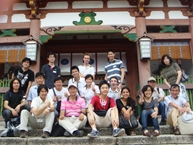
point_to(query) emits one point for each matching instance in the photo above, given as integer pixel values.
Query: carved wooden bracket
(34, 8)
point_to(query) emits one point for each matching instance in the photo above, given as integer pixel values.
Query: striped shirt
(114, 69)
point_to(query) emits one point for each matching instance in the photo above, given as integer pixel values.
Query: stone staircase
(166, 137)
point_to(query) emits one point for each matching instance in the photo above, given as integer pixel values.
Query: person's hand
(81, 117)
(14, 113)
(93, 89)
(47, 103)
(127, 115)
(66, 94)
(187, 110)
(61, 117)
(154, 115)
(182, 110)
(119, 86)
(17, 109)
(46, 111)
(141, 98)
(55, 99)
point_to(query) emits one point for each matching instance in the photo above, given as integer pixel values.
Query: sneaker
(78, 133)
(118, 132)
(67, 134)
(163, 122)
(45, 134)
(94, 134)
(176, 131)
(23, 134)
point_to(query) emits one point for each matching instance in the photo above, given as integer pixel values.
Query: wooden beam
(171, 36)
(4, 89)
(23, 25)
(165, 87)
(17, 39)
(176, 22)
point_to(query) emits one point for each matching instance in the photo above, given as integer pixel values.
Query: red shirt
(98, 104)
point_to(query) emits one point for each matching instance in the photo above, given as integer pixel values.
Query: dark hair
(174, 86)
(103, 83)
(110, 50)
(27, 59)
(126, 89)
(51, 53)
(74, 67)
(145, 89)
(89, 76)
(162, 59)
(39, 74)
(58, 79)
(11, 84)
(42, 87)
(113, 78)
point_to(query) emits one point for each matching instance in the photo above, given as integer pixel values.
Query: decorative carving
(123, 28)
(51, 30)
(169, 29)
(33, 7)
(141, 7)
(8, 33)
(87, 19)
(131, 37)
(45, 38)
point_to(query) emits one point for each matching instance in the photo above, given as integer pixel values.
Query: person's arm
(105, 77)
(179, 76)
(38, 111)
(28, 87)
(166, 82)
(6, 106)
(141, 100)
(160, 99)
(29, 102)
(122, 74)
(62, 112)
(17, 108)
(59, 72)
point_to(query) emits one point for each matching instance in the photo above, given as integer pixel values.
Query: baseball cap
(151, 79)
(72, 85)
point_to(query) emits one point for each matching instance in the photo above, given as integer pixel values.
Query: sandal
(156, 133)
(147, 133)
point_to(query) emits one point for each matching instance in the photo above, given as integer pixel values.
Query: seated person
(14, 101)
(89, 90)
(175, 106)
(114, 91)
(149, 111)
(72, 113)
(41, 115)
(33, 93)
(159, 94)
(126, 106)
(107, 104)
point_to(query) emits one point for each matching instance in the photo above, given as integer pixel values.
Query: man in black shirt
(25, 75)
(14, 101)
(50, 70)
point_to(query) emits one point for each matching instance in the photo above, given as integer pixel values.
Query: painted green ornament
(130, 37)
(45, 38)
(87, 19)
(10, 32)
(167, 29)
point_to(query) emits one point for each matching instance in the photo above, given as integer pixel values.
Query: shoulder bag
(103, 112)
(124, 123)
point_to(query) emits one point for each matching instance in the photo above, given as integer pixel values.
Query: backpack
(158, 90)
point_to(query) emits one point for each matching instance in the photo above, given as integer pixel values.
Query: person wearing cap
(50, 70)
(86, 68)
(33, 93)
(72, 113)
(158, 94)
(25, 75)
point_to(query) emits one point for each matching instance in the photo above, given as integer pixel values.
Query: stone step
(103, 140)
(165, 129)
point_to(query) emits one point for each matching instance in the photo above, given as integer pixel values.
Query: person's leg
(144, 119)
(154, 121)
(80, 124)
(161, 109)
(49, 120)
(94, 121)
(67, 124)
(25, 114)
(7, 115)
(172, 119)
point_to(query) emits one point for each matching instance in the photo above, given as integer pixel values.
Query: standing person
(114, 91)
(149, 113)
(72, 114)
(126, 107)
(41, 115)
(86, 68)
(175, 107)
(14, 101)
(89, 90)
(58, 93)
(172, 75)
(25, 75)
(77, 80)
(114, 67)
(50, 70)
(33, 92)
(102, 112)
(158, 94)
(11, 70)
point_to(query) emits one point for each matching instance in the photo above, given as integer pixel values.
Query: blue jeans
(161, 109)
(147, 120)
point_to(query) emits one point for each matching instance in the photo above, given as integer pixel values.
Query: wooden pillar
(143, 65)
(35, 32)
(191, 32)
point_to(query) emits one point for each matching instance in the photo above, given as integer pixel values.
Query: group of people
(104, 105)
